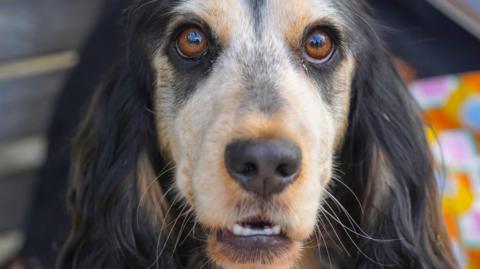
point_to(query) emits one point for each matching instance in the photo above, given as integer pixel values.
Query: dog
(267, 134)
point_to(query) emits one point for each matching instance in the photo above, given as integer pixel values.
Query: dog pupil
(194, 38)
(317, 40)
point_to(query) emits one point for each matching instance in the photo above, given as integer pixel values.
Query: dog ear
(115, 190)
(387, 164)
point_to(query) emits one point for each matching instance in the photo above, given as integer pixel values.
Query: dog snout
(263, 167)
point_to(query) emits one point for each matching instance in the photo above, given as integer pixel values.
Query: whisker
(352, 221)
(335, 232)
(144, 5)
(338, 180)
(354, 243)
(182, 227)
(172, 227)
(206, 263)
(158, 253)
(326, 246)
(168, 167)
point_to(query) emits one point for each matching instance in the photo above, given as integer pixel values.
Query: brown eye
(192, 43)
(319, 46)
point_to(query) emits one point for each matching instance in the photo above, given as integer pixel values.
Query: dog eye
(318, 46)
(192, 43)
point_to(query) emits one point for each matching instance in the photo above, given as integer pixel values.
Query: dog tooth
(237, 230)
(248, 232)
(240, 230)
(255, 232)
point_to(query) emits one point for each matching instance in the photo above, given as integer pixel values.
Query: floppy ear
(115, 199)
(387, 163)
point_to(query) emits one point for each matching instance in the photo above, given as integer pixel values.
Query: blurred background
(54, 52)
(40, 42)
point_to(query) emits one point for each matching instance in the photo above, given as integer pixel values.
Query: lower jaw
(261, 252)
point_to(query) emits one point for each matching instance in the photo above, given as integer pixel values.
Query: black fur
(108, 228)
(385, 133)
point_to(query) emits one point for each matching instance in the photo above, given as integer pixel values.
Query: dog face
(252, 101)
(255, 103)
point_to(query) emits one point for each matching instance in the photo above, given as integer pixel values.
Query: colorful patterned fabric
(452, 108)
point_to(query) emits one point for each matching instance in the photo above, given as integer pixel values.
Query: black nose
(263, 167)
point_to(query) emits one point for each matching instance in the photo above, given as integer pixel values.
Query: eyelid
(331, 30)
(179, 28)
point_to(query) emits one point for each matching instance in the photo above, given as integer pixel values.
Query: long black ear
(114, 154)
(387, 164)
(117, 203)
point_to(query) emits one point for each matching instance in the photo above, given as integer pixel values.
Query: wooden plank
(33, 27)
(22, 154)
(10, 243)
(20, 161)
(461, 12)
(26, 104)
(37, 65)
(16, 192)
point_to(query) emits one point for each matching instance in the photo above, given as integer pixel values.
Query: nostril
(286, 170)
(249, 169)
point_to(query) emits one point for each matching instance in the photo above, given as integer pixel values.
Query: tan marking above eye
(318, 45)
(192, 43)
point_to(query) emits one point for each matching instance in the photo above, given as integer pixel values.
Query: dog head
(251, 101)
(258, 106)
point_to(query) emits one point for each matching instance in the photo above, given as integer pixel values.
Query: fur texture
(148, 184)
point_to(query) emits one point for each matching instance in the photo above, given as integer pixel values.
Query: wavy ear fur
(116, 201)
(118, 207)
(110, 228)
(386, 162)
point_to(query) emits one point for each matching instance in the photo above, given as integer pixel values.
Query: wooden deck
(39, 45)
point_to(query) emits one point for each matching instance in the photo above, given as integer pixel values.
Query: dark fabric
(424, 37)
(428, 40)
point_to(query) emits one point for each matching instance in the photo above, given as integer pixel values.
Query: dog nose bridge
(263, 96)
(261, 82)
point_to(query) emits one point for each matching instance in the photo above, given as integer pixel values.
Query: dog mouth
(252, 241)
(255, 228)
